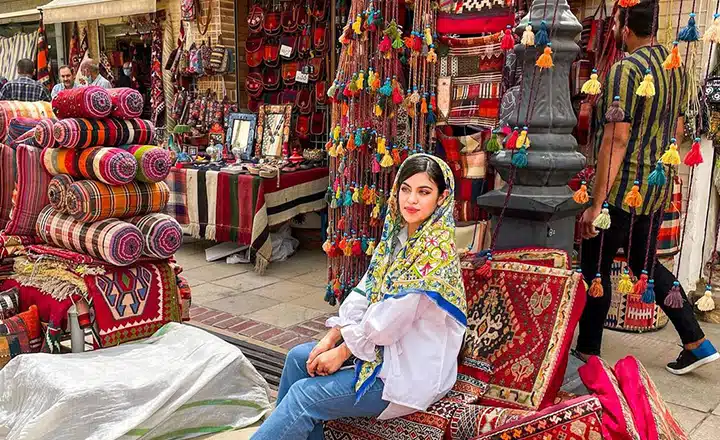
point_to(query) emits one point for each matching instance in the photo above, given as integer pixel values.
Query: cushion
(57, 191)
(599, 378)
(114, 241)
(82, 102)
(44, 137)
(9, 348)
(652, 416)
(26, 326)
(469, 421)
(110, 132)
(522, 321)
(113, 166)
(577, 419)
(7, 182)
(9, 303)
(127, 103)
(14, 109)
(30, 194)
(89, 201)
(153, 162)
(472, 378)
(538, 256)
(162, 233)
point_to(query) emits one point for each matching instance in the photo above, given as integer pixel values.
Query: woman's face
(418, 198)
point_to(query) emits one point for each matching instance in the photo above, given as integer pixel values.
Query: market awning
(28, 15)
(65, 11)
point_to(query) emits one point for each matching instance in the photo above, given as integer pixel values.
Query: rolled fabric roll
(113, 166)
(89, 201)
(109, 132)
(18, 127)
(57, 191)
(44, 137)
(14, 109)
(127, 103)
(162, 233)
(83, 102)
(153, 162)
(115, 241)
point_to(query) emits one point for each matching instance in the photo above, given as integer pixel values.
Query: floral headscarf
(427, 264)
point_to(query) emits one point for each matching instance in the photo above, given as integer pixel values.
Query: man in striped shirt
(627, 152)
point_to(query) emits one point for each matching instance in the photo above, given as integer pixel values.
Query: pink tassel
(674, 298)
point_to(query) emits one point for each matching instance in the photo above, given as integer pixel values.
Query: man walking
(66, 81)
(627, 152)
(24, 88)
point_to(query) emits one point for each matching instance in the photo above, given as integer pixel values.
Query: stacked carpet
(18, 109)
(83, 102)
(57, 191)
(110, 132)
(163, 235)
(44, 137)
(153, 162)
(90, 201)
(113, 166)
(126, 103)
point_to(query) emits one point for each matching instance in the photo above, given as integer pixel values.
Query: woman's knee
(300, 353)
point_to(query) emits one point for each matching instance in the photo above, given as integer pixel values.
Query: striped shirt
(652, 120)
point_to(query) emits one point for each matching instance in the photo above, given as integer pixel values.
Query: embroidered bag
(668, 241)
(187, 9)
(218, 58)
(194, 64)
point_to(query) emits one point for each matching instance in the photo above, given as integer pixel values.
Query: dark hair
(25, 67)
(422, 164)
(640, 18)
(65, 66)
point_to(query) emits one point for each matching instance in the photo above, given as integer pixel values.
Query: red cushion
(30, 194)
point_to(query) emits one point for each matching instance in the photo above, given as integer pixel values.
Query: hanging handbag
(272, 79)
(256, 18)
(254, 51)
(194, 63)
(288, 41)
(712, 90)
(254, 85)
(289, 70)
(304, 101)
(219, 58)
(289, 19)
(271, 23)
(305, 43)
(187, 10)
(315, 68)
(271, 52)
(204, 53)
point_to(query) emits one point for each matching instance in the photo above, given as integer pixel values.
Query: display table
(222, 206)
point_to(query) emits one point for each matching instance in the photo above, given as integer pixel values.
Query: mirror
(273, 130)
(241, 134)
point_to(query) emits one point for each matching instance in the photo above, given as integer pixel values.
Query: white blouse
(420, 344)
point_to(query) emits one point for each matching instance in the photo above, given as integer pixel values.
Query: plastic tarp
(181, 383)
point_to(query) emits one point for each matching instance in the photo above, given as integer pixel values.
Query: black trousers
(596, 309)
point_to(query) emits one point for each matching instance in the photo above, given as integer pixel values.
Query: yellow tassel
(625, 285)
(360, 82)
(357, 25)
(581, 196)
(634, 199)
(378, 110)
(671, 155)
(431, 56)
(338, 193)
(647, 86)
(545, 60)
(673, 60)
(340, 150)
(428, 36)
(375, 213)
(348, 249)
(356, 196)
(603, 219)
(370, 248)
(387, 161)
(381, 145)
(596, 288)
(592, 86)
(522, 138)
(336, 133)
(528, 36)
(706, 303)
(332, 152)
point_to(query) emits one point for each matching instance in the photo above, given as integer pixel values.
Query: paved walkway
(285, 307)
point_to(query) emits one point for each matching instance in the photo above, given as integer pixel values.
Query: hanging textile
(75, 53)
(157, 95)
(43, 56)
(15, 48)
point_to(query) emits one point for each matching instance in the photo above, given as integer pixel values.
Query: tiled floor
(285, 307)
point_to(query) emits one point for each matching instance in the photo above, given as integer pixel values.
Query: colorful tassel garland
(545, 60)
(511, 141)
(647, 86)
(628, 3)
(493, 144)
(528, 36)
(674, 298)
(641, 284)
(596, 288)
(673, 59)
(671, 155)
(592, 86)
(657, 177)
(694, 156)
(690, 32)
(615, 113)
(712, 33)
(581, 196)
(649, 295)
(541, 37)
(485, 270)
(519, 158)
(625, 285)
(706, 302)
(634, 199)
(602, 221)
(507, 42)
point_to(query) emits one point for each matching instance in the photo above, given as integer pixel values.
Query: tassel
(541, 37)
(350, 145)
(519, 158)
(397, 96)
(385, 44)
(507, 42)
(386, 89)
(336, 286)
(348, 198)
(360, 82)
(376, 83)
(528, 37)
(423, 105)
(330, 296)
(706, 303)
(671, 155)
(485, 271)
(428, 36)
(378, 110)
(628, 3)
(364, 244)
(673, 59)
(333, 203)
(712, 33)
(657, 177)
(326, 246)
(397, 43)
(592, 86)
(347, 251)
(522, 138)
(331, 91)
(511, 141)
(647, 86)
(433, 101)
(336, 133)
(356, 195)
(381, 145)
(370, 78)
(340, 151)
(352, 87)
(387, 161)
(602, 221)
(369, 194)
(690, 32)
(341, 224)
(581, 196)
(674, 298)
(341, 246)
(431, 115)
(545, 60)
(596, 288)
(625, 285)
(615, 113)
(417, 42)
(641, 284)
(649, 295)
(493, 144)
(357, 25)
(357, 248)
(694, 156)
(332, 152)
(397, 160)
(634, 199)
(345, 109)
(432, 56)
(370, 248)
(375, 165)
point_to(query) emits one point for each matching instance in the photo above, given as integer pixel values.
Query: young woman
(404, 322)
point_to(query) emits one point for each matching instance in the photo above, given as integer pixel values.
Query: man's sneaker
(692, 359)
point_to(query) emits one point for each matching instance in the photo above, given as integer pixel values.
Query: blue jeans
(305, 402)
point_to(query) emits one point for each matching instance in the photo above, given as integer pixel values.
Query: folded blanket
(110, 132)
(153, 162)
(14, 109)
(89, 201)
(108, 165)
(57, 191)
(115, 241)
(126, 103)
(83, 102)
(19, 126)
(162, 233)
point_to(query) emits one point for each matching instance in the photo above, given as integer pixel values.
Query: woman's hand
(587, 230)
(329, 362)
(326, 343)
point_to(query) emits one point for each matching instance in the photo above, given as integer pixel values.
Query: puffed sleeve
(352, 309)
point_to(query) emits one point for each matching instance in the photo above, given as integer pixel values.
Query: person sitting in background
(66, 81)
(24, 88)
(404, 322)
(90, 69)
(125, 78)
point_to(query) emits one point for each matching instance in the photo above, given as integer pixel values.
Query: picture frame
(192, 151)
(241, 134)
(273, 130)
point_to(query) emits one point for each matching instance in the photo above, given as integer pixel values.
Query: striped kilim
(30, 195)
(162, 233)
(15, 109)
(89, 201)
(57, 191)
(83, 102)
(127, 103)
(153, 162)
(44, 137)
(113, 166)
(15, 48)
(110, 132)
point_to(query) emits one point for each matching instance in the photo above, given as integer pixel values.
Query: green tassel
(519, 159)
(657, 177)
(493, 144)
(603, 219)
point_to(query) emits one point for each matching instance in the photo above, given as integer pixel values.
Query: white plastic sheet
(181, 383)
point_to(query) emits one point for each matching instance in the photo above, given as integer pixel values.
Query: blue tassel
(690, 32)
(649, 295)
(364, 244)
(386, 89)
(358, 137)
(348, 198)
(519, 159)
(541, 36)
(430, 115)
(657, 177)
(329, 295)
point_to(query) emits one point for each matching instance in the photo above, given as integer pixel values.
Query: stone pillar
(541, 211)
